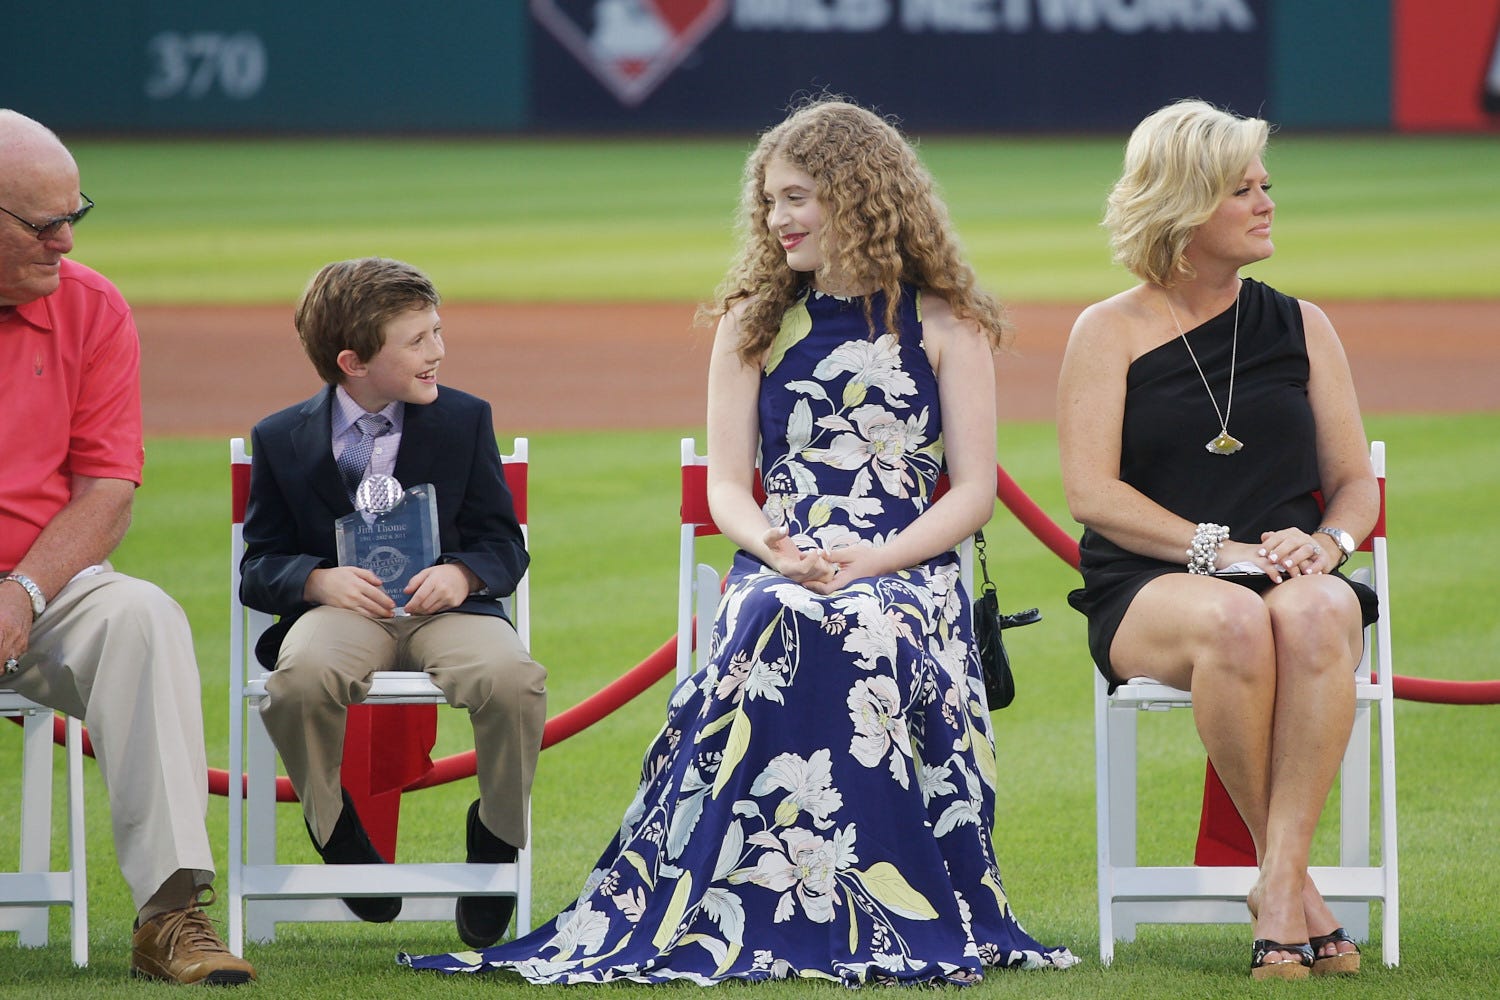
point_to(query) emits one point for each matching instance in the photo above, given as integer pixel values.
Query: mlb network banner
(732, 66)
(945, 64)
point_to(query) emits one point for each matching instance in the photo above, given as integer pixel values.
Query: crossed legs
(1273, 701)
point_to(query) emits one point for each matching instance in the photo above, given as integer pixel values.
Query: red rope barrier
(1441, 692)
(1034, 518)
(218, 779)
(660, 663)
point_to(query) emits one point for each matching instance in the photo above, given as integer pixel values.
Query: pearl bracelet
(1204, 554)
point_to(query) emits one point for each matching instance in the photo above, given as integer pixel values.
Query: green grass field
(533, 220)
(556, 221)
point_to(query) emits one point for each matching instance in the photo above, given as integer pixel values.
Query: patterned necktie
(356, 455)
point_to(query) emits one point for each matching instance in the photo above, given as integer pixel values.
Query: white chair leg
(706, 604)
(236, 803)
(35, 886)
(77, 844)
(1390, 931)
(1354, 821)
(260, 823)
(1121, 762)
(1102, 834)
(36, 820)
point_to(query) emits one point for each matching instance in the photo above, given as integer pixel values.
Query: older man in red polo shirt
(74, 634)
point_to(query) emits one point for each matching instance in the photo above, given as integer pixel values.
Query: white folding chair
(699, 584)
(262, 892)
(1131, 894)
(27, 893)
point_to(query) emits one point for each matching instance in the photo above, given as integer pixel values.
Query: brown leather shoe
(181, 946)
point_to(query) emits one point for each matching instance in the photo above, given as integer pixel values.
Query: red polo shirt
(71, 396)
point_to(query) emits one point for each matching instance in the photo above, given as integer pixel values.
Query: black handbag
(994, 662)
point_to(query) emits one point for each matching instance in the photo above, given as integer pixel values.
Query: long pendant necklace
(1225, 443)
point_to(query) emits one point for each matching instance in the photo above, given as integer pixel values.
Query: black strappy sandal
(1341, 964)
(1295, 968)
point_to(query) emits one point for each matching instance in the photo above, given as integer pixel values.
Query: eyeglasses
(46, 230)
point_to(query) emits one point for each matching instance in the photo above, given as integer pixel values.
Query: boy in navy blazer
(371, 329)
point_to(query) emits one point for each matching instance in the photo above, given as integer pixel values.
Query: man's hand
(350, 587)
(15, 621)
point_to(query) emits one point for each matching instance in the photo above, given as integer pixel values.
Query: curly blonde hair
(1180, 163)
(884, 225)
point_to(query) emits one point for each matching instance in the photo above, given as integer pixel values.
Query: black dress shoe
(350, 845)
(482, 920)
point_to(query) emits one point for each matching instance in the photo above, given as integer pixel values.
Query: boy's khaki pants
(477, 661)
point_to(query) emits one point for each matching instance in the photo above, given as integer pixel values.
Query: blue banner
(1033, 65)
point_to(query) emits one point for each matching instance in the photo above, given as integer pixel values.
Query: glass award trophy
(393, 533)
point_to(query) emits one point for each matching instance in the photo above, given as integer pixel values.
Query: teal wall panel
(1331, 64)
(260, 65)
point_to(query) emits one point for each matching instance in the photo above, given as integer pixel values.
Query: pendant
(1224, 444)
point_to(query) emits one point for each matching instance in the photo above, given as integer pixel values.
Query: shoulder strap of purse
(984, 567)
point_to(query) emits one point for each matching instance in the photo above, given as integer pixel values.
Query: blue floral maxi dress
(820, 801)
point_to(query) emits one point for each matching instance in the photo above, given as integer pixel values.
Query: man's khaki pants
(117, 653)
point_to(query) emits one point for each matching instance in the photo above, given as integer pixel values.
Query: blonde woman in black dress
(1200, 414)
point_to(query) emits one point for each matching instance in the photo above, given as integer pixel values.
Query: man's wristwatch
(1342, 538)
(38, 600)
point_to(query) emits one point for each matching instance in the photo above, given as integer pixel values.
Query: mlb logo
(630, 45)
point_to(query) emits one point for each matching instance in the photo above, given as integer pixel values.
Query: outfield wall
(497, 66)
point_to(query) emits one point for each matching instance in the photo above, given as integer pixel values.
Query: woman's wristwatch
(1342, 538)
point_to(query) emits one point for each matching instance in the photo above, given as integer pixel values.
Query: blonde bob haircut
(1180, 163)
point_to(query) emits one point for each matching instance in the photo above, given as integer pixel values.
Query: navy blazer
(296, 494)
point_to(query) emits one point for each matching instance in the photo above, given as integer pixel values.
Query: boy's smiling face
(405, 368)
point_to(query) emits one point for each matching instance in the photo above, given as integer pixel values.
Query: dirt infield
(216, 370)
